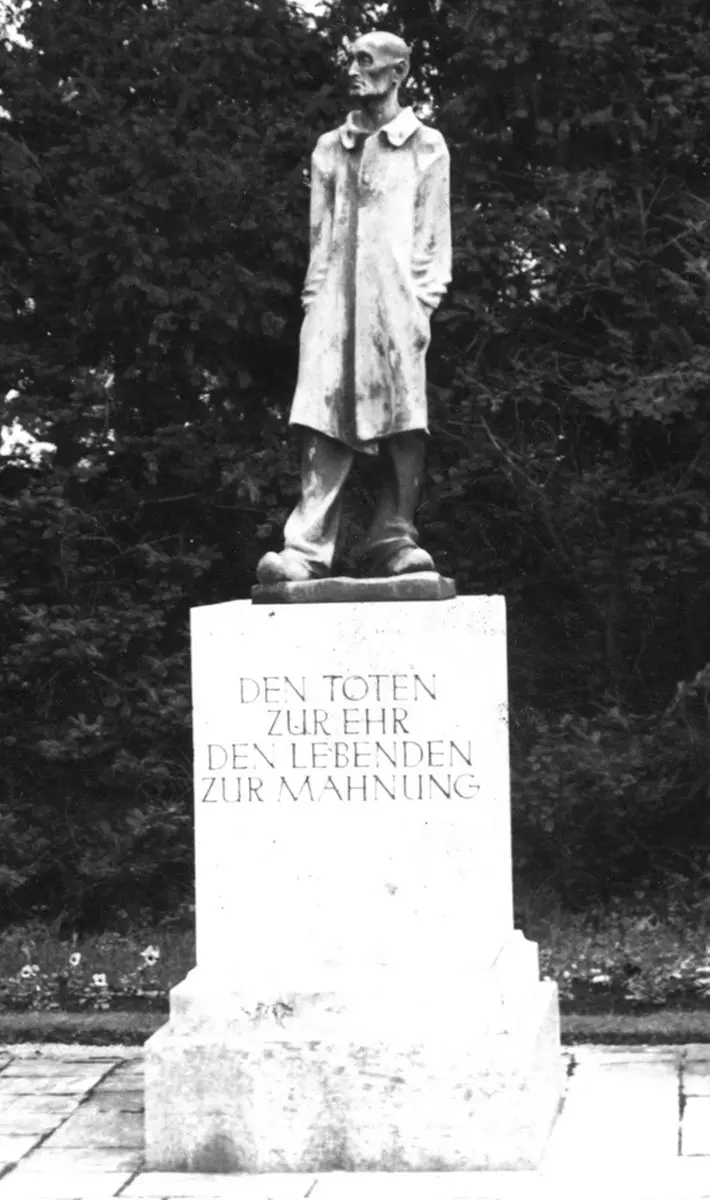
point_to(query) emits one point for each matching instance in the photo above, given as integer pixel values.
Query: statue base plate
(420, 585)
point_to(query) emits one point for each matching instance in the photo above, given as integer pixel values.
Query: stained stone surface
(420, 585)
(361, 1001)
(326, 1085)
(352, 792)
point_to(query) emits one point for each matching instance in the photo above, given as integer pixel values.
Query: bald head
(389, 46)
(379, 65)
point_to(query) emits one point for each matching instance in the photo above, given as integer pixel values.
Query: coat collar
(397, 131)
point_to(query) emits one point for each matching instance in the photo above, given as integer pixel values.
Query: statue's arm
(321, 223)
(431, 257)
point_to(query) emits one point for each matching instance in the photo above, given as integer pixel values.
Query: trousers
(312, 528)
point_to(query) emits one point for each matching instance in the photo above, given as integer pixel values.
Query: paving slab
(696, 1081)
(34, 1114)
(638, 1069)
(73, 1186)
(31, 1067)
(70, 1053)
(431, 1185)
(342, 1185)
(155, 1184)
(687, 1179)
(46, 1085)
(125, 1077)
(697, 1052)
(119, 1083)
(29, 1122)
(116, 1101)
(80, 1161)
(14, 1146)
(96, 1127)
(39, 1104)
(695, 1137)
(586, 1052)
(615, 1115)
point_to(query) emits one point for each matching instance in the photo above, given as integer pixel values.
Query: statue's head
(379, 65)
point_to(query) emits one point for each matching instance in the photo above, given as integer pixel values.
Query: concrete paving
(635, 1125)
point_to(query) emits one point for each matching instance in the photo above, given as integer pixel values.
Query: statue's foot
(287, 566)
(405, 561)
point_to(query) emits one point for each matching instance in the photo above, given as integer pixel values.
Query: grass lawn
(630, 958)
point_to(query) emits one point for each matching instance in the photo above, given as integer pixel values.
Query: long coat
(380, 263)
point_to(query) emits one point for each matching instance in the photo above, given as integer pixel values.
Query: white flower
(74, 959)
(26, 972)
(99, 980)
(150, 955)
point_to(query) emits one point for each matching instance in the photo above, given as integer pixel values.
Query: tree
(571, 451)
(153, 200)
(154, 207)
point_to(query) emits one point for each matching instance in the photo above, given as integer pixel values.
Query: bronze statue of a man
(380, 264)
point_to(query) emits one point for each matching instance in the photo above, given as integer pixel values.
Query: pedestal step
(236, 1087)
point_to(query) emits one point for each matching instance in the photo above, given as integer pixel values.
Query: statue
(380, 264)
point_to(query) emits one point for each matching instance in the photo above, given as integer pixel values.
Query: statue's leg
(391, 545)
(312, 528)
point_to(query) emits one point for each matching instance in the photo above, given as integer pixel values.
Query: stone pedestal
(361, 1000)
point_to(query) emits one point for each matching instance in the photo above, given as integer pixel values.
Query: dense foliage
(153, 220)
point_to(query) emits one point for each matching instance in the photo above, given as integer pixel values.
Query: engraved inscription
(339, 738)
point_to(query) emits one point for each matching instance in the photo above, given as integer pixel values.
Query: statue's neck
(380, 110)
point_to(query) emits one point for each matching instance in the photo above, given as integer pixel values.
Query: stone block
(324, 1086)
(361, 1001)
(352, 790)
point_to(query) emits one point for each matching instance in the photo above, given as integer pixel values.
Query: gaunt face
(374, 69)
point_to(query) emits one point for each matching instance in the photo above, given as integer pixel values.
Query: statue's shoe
(287, 566)
(405, 561)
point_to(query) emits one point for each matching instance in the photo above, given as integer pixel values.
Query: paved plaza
(635, 1125)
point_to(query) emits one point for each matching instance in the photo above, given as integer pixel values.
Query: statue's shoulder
(328, 141)
(430, 144)
(325, 151)
(431, 134)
